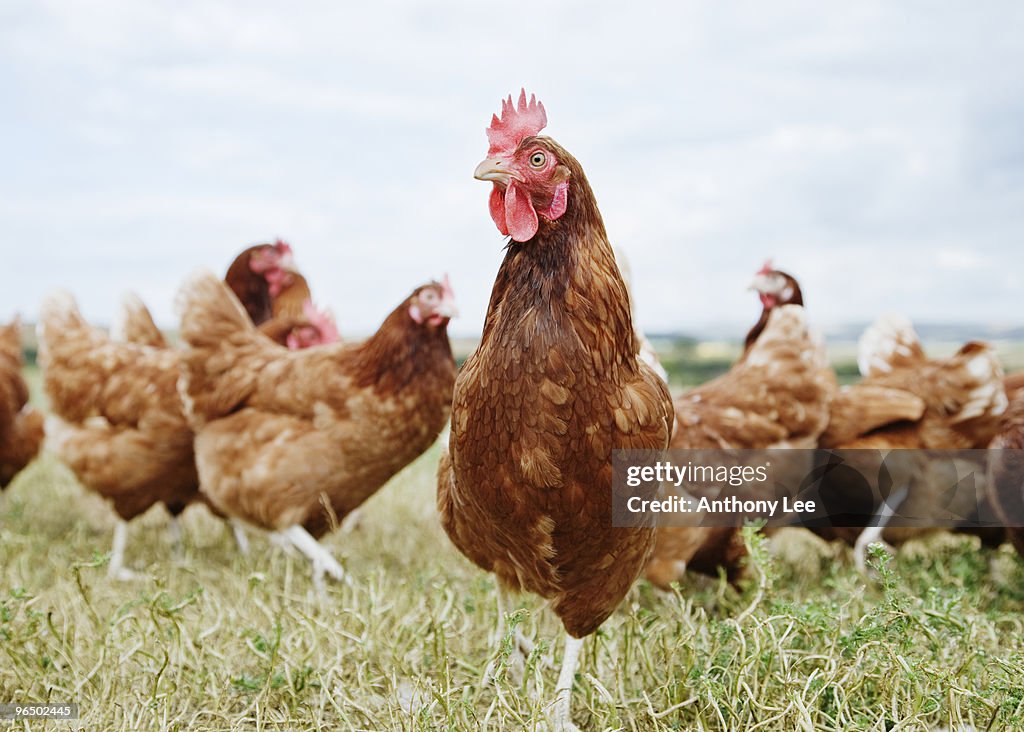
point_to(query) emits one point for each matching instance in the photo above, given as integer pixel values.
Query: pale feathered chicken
(906, 400)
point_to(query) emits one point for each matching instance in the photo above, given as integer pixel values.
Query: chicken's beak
(496, 170)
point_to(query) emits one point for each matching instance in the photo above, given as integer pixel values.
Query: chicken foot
(323, 561)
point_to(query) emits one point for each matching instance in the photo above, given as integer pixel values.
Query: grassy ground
(211, 640)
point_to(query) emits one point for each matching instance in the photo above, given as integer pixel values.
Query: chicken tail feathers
(981, 375)
(223, 358)
(135, 324)
(66, 344)
(889, 343)
(210, 313)
(60, 324)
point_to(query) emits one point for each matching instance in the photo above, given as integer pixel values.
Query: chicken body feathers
(21, 426)
(118, 421)
(554, 387)
(295, 437)
(778, 395)
(135, 324)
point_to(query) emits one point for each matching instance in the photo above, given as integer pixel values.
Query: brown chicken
(774, 288)
(312, 327)
(260, 274)
(118, 421)
(1014, 383)
(21, 426)
(277, 297)
(907, 401)
(554, 387)
(1006, 471)
(777, 395)
(135, 324)
(292, 441)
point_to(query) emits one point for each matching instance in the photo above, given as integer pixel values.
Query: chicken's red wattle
(514, 214)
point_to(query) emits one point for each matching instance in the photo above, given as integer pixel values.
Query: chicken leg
(874, 533)
(116, 569)
(561, 716)
(241, 538)
(323, 561)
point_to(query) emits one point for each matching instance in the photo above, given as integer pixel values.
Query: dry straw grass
(211, 640)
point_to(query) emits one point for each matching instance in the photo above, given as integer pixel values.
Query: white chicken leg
(323, 561)
(116, 569)
(874, 533)
(241, 539)
(561, 715)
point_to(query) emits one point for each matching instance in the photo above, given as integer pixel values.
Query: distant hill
(956, 332)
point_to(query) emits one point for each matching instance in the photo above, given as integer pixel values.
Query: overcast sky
(873, 149)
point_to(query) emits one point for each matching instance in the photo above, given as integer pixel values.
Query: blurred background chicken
(555, 385)
(1005, 482)
(117, 420)
(135, 324)
(1014, 384)
(908, 401)
(777, 395)
(266, 281)
(260, 274)
(774, 288)
(292, 441)
(277, 298)
(21, 426)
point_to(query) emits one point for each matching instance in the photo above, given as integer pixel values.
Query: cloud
(870, 149)
(960, 259)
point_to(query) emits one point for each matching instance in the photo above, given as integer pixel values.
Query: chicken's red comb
(282, 246)
(517, 122)
(446, 287)
(767, 267)
(323, 321)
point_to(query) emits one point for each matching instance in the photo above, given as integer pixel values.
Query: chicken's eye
(538, 159)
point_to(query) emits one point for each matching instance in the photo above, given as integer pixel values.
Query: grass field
(212, 640)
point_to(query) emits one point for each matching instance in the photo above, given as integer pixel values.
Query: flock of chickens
(265, 416)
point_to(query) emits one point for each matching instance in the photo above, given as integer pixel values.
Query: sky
(873, 149)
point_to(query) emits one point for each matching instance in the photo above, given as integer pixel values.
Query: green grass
(211, 640)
